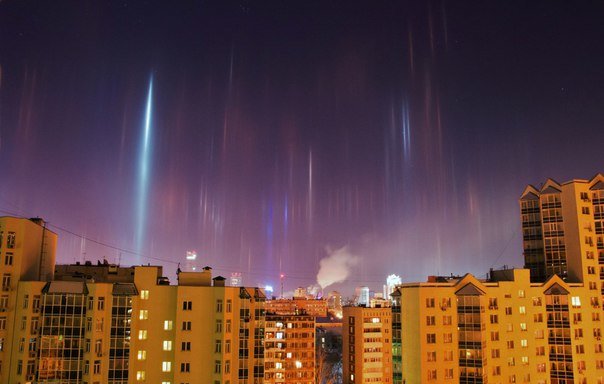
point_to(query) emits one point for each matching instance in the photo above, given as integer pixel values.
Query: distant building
(334, 303)
(236, 279)
(300, 293)
(392, 281)
(296, 306)
(190, 262)
(367, 345)
(361, 296)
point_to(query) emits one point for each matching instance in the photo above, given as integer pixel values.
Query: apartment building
(100, 323)
(289, 349)
(503, 330)
(563, 230)
(297, 305)
(367, 345)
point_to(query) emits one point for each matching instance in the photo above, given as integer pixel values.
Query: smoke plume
(335, 268)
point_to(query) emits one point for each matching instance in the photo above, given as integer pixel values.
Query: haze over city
(395, 137)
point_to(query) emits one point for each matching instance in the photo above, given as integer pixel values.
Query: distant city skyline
(391, 138)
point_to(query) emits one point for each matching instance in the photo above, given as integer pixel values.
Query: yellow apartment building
(502, 330)
(563, 230)
(367, 345)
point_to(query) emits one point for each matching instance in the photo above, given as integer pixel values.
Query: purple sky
(281, 130)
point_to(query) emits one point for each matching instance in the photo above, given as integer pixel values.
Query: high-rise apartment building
(367, 345)
(563, 230)
(504, 330)
(289, 349)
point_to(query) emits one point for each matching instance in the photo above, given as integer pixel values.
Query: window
(494, 319)
(229, 306)
(185, 367)
(522, 310)
(99, 324)
(447, 338)
(2, 323)
(227, 346)
(510, 327)
(523, 343)
(540, 351)
(167, 325)
(495, 354)
(227, 366)
(142, 334)
(575, 301)
(142, 355)
(523, 327)
(521, 293)
(25, 301)
(143, 314)
(591, 270)
(187, 305)
(578, 333)
(10, 240)
(218, 346)
(430, 320)
(185, 346)
(580, 348)
(432, 374)
(166, 366)
(140, 375)
(6, 282)
(167, 345)
(219, 306)
(228, 326)
(447, 320)
(510, 344)
(8, 259)
(100, 305)
(493, 303)
(430, 302)
(448, 355)
(218, 326)
(431, 338)
(431, 356)
(97, 367)
(508, 310)
(538, 318)
(577, 318)
(186, 325)
(496, 371)
(494, 336)
(144, 294)
(217, 366)
(585, 210)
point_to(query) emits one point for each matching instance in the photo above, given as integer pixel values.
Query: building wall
(367, 345)
(502, 331)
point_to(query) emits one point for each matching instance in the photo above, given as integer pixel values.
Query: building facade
(504, 330)
(563, 230)
(367, 345)
(289, 349)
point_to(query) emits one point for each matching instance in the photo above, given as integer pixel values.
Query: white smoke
(336, 267)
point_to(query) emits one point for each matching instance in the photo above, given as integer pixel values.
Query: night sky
(395, 134)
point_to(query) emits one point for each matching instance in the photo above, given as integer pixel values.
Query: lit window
(142, 355)
(140, 375)
(143, 314)
(375, 320)
(167, 325)
(575, 301)
(522, 309)
(166, 366)
(167, 345)
(144, 294)
(142, 334)
(288, 355)
(523, 343)
(298, 364)
(521, 293)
